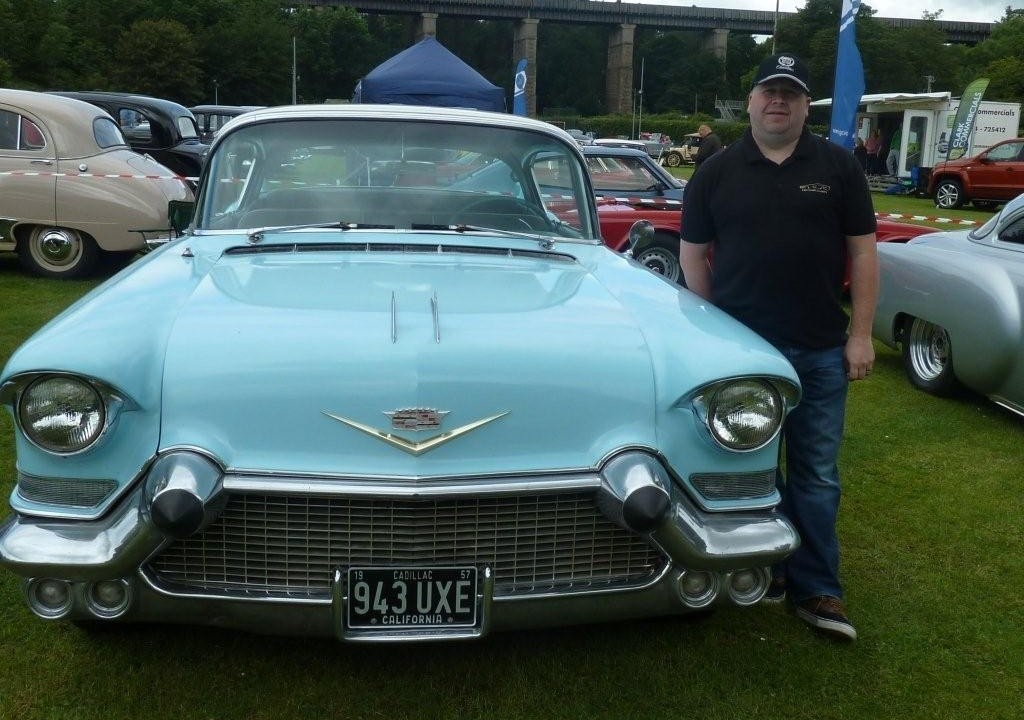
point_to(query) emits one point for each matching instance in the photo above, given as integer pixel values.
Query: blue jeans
(810, 490)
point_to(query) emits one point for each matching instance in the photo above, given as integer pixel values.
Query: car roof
(612, 150)
(359, 111)
(69, 121)
(167, 108)
(225, 109)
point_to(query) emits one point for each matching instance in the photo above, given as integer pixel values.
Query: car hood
(296, 361)
(955, 164)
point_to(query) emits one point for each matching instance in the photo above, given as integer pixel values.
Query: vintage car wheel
(674, 159)
(662, 259)
(949, 195)
(927, 357)
(58, 253)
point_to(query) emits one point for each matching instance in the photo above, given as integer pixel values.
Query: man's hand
(859, 355)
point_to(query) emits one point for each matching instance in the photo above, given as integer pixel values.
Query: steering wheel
(503, 205)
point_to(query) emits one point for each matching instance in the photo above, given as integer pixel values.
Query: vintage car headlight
(62, 414)
(742, 414)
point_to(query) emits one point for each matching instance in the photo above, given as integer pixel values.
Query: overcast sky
(963, 10)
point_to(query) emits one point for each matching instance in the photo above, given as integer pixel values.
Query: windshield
(396, 174)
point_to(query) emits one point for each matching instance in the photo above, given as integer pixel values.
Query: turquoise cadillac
(362, 398)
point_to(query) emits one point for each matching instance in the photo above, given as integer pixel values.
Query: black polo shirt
(779, 234)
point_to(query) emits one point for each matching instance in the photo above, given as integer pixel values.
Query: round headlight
(61, 414)
(745, 414)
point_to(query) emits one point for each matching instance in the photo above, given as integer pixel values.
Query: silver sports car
(954, 301)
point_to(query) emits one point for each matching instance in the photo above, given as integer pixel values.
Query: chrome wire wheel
(927, 356)
(673, 159)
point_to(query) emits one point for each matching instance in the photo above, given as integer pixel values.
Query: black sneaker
(776, 593)
(827, 614)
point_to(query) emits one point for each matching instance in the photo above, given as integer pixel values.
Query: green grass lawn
(932, 542)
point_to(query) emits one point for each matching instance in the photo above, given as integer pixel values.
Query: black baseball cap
(785, 66)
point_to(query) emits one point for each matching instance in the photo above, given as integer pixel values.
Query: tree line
(240, 52)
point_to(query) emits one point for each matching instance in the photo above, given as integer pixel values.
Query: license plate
(406, 597)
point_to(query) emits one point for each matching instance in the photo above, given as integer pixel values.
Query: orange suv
(987, 179)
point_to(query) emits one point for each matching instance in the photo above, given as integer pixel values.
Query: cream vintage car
(72, 194)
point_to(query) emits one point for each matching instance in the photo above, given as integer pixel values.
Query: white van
(925, 121)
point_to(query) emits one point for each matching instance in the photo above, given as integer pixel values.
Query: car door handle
(40, 162)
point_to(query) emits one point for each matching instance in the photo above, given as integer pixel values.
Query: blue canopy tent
(429, 74)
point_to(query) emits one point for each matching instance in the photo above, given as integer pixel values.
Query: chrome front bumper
(98, 569)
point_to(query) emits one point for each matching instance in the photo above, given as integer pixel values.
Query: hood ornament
(420, 419)
(416, 419)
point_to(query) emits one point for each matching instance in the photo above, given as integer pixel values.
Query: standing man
(709, 145)
(785, 211)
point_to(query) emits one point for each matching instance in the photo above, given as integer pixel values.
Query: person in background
(860, 152)
(709, 145)
(873, 146)
(893, 157)
(783, 210)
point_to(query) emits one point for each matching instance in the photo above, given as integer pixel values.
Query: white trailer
(926, 120)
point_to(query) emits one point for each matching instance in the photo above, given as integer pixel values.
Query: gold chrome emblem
(410, 446)
(416, 419)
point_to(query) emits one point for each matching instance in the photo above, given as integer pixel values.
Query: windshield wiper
(257, 235)
(545, 241)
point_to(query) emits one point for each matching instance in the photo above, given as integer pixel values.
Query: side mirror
(640, 234)
(179, 214)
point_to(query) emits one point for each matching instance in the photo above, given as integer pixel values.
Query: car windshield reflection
(404, 175)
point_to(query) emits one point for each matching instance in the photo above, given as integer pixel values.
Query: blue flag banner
(519, 96)
(963, 125)
(849, 82)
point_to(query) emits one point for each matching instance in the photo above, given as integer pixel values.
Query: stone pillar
(717, 41)
(524, 45)
(619, 75)
(427, 26)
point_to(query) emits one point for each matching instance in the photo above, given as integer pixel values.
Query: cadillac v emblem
(416, 419)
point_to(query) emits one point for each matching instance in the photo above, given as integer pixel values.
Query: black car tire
(662, 257)
(928, 357)
(674, 159)
(949, 194)
(57, 252)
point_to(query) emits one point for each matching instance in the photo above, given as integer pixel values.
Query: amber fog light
(61, 414)
(108, 598)
(49, 598)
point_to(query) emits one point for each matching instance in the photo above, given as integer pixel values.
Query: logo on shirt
(816, 188)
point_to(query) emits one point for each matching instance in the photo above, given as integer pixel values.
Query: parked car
(985, 180)
(59, 208)
(954, 303)
(162, 129)
(651, 147)
(582, 138)
(684, 154)
(628, 172)
(210, 118)
(364, 404)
